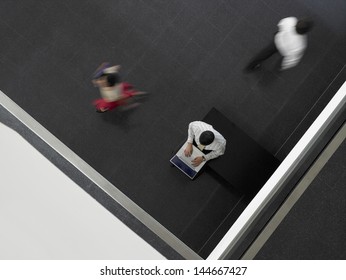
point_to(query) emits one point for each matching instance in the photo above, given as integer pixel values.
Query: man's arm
(190, 137)
(191, 132)
(217, 152)
(213, 154)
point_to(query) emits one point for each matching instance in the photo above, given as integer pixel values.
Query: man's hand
(197, 161)
(188, 150)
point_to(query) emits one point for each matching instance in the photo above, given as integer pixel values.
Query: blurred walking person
(114, 93)
(290, 41)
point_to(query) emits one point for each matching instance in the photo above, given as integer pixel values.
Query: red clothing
(127, 92)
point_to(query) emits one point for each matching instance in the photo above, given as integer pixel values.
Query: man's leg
(264, 54)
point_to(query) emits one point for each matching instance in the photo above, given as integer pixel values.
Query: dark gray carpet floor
(189, 55)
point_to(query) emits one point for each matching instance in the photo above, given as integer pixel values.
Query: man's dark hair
(112, 79)
(304, 25)
(207, 137)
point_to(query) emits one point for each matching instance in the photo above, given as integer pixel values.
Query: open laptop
(184, 163)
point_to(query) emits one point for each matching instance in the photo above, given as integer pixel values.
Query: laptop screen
(183, 167)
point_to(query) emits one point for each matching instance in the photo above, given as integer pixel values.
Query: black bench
(245, 165)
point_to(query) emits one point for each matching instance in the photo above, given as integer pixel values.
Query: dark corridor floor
(189, 55)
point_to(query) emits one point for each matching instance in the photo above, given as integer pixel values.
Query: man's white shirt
(289, 43)
(217, 147)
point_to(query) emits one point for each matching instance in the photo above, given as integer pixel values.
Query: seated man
(207, 140)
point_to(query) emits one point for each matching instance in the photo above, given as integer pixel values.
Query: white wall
(45, 215)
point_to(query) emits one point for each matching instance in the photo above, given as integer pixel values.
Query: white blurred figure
(290, 41)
